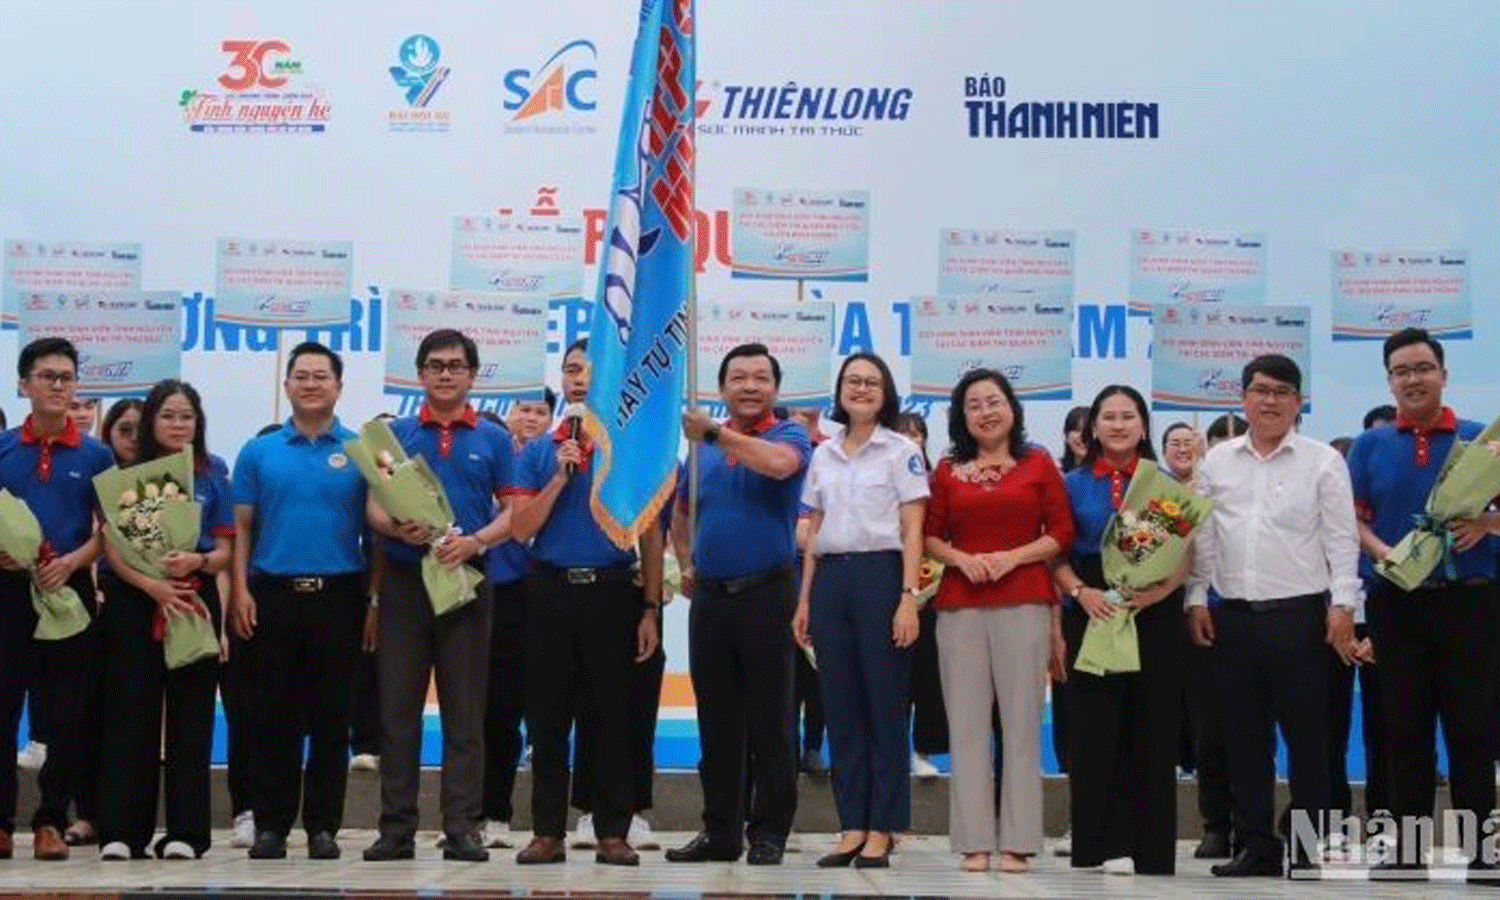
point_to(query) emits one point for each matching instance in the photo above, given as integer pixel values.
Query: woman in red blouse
(998, 513)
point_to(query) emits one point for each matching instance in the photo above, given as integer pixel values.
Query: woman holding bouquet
(1125, 726)
(137, 681)
(998, 513)
(867, 489)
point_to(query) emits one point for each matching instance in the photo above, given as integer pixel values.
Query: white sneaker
(114, 851)
(177, 850)
(32, 756)
(364, 762)
(497, 834)
(1063, 846)
(640, 836)
(583, 837)
(1120, 865)
(243, 834)
(922, 767)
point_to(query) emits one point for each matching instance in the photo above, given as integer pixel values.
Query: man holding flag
(637, 355)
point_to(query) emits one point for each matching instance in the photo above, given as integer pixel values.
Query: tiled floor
(922, 868)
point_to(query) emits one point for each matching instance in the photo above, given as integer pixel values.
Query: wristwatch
(711, 434)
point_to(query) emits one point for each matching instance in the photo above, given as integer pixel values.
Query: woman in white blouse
(867, 489)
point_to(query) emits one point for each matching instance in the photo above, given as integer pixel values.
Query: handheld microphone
(574, 422)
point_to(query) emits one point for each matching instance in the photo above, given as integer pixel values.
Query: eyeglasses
(452, 367)
(56, 379)
(1416, 370)
(856, 382)
(977, 406)
(1267, 392)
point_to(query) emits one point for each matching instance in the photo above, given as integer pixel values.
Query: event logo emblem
(563, 85)
(798, 111)
(418, 74)
(989, 113)
(260, 90)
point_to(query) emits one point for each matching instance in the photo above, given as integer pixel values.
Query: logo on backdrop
(419, 77)
(990, 114)
(794, 110)
(557, 97)
(261, 89)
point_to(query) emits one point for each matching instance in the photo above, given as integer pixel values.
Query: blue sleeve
(530, 477)
(217, 466)
(1359, 473)
(218, 515)
(246, 474)
(502, 462)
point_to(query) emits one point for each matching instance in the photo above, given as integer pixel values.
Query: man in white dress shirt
(1281, 547)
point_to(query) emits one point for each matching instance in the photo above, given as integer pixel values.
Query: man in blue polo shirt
(471, 457)
(298, 588)
(51, 466)
(588, 623)
(742, 548)
(1436, 645)
(506, 567)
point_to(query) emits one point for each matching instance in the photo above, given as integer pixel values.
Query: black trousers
(1436, 652)
(645, 702)
(1123, 735)
(66, 673)
(506, 703)
(237, 692)
(581, 643)
(740, 659)
(1273, 670)
(929, 718)
(364, 714)
(1340, 715)
(1211, 756)
(138, 685)
(305, 649)
(807, 704)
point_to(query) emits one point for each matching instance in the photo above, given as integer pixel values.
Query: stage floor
(923, 867)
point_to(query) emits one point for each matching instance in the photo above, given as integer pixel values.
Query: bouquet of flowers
(149, 511)
(1144, 544)
(1468, 481)
(406, 488)
(60, 613)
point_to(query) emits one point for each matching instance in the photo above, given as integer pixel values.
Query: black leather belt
(311, 584)
(744, 583)
(583, 575)
(1276, 603)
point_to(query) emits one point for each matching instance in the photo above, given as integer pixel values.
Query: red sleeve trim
(222, 531)
(521, 492)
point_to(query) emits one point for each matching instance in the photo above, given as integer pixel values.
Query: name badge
(337, 460)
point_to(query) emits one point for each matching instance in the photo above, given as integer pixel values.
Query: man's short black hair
(1275, 366)
(47, 346)
(335, 362)
(444, 338)
(1408, 336)
(1382, 413)
(749, 350)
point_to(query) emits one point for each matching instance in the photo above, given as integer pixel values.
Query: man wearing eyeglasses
(589, 623)
(298, 590)
(50, 465)
(1279, 547)
(1435, 645)
(471, 457)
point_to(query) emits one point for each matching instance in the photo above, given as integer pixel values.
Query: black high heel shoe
(883, 861)
(838, 860)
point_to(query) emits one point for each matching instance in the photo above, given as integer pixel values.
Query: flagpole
(692, 328)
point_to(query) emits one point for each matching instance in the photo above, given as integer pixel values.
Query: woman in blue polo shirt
(867, 489)
(137, 681)
(1123, 728)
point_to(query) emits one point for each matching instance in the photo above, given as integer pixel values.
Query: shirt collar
(1103, 468)
(1244, 445)
(878, 438)
(1447, 421)
(762, 425)
(289, 429)
(469, 417)
(68, 438)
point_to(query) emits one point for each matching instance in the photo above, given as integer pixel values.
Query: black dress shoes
(389, 849)
(1249, 865)
(764, 853)
(322, 846)
(268, 845)
(465, 847)
(1215, 845)
(702, 849)
(837, 860)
